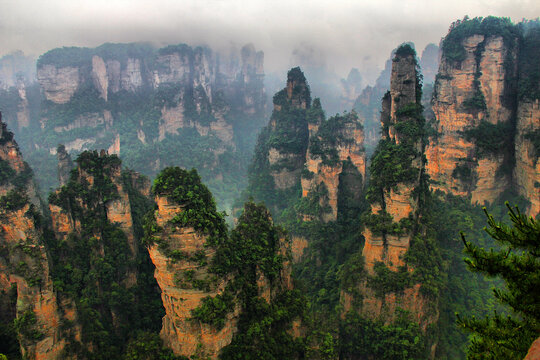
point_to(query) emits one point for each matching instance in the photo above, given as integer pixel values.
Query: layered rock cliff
(195, 87)
(24, 262)
(178, 105)
(479, 148)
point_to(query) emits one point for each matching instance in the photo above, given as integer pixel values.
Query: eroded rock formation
(396, 168)
(24, 261)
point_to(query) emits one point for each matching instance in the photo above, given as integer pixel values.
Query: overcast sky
(342, 33)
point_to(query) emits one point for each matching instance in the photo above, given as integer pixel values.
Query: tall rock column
(181, 238)
(281, 149)
(23, 257)
(387, 282)
(474, 103)
(396, 166)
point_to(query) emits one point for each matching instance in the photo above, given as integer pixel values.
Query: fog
(337, 35)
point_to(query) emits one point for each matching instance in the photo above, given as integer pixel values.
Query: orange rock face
(185, 336)
(24, 263)
(454, 86)
(298, 246)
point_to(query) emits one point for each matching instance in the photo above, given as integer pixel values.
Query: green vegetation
(254, 249)
(214, 310)
(14, 200)
(92, 263)
(331, 133)
(25, 325)
(491, 139)
(9, 344)
(149, 346)
(365, 338)
(405, 50)
(315, 203)
(476, 103)
(66, 56)
(517, 262)
(388, 281)
(199, 208)
(391, 165)
(465, 172)
(452, 45)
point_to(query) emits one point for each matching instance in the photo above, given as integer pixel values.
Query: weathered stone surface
(349, 148)
(131, 76)
(534, 351)
(285, 178)
(454, 86)
(100, 77)
(58, 84)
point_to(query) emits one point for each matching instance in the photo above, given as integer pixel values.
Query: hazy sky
(342, 33)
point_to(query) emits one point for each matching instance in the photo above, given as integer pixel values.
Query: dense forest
(418, 243)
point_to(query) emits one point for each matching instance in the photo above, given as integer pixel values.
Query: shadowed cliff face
(527, 140)
(23, 258)
(335, 157)
(527, 170)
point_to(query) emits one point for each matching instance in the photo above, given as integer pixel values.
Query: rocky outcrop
(64, 165)
(335, 156)
(117, 208)
(100, 77)
(396, 179)
(177, 277)
(351, 88)
(429, 63)
(23, 257)
(58, 84)
(477, 90)
(287, 153)
(399, 111)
